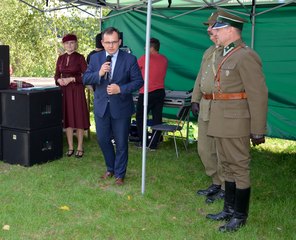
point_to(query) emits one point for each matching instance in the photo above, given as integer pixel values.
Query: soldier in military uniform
(237, 114)
(200, 107)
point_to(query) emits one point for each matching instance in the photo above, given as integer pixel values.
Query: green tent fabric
(184, 39)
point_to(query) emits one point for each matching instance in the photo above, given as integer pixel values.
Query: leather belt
(225, 96)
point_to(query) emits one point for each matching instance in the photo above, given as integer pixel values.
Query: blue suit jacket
(126, 74)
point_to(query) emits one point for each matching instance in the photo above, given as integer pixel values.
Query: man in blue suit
(116, 75)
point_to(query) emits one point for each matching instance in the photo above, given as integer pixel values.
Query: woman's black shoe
(79, 153)
(70, 152)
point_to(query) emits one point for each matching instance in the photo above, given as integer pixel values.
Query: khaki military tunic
(205, 84)
(232, 121)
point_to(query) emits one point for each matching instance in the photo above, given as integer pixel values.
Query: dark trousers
(155, 105)
(116, 158)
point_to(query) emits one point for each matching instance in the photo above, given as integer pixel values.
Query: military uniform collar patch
(228, 49)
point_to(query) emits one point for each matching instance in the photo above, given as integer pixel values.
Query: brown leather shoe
(119, 181)
(107, 175)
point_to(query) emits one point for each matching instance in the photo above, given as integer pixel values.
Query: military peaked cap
(212, 19)
(226, 19)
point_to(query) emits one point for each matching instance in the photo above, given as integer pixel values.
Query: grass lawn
(66, 199)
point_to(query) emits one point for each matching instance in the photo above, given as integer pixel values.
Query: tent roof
(120, 4)
(138, 5)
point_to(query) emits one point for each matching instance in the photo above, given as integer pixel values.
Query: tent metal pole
(101, 18)
(117, 14)
(146, 82)
(253, 19)
(152, 14)
(279, 6)
(30, 5)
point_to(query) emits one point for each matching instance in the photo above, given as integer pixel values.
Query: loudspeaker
(4, 67)
(121, 37)
(1, 152)
(133, 132)
(31, 109)
(32, 147)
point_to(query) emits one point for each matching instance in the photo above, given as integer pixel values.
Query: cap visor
(218, 25)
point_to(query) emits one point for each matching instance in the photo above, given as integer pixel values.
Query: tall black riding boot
(241, 209)
(229, 201)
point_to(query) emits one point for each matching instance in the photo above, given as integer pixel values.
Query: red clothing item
(75, 110)
(158, 64)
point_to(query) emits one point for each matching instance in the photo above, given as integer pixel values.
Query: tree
(34, 37)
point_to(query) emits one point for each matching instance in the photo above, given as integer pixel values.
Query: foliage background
(34, 37)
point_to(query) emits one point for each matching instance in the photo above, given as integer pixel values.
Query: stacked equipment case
(31, 125)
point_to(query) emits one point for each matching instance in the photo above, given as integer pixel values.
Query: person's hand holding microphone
(105, 71)
(106, 67)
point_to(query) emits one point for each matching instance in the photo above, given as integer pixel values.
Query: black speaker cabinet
(27, 148)
(1, 152)
(31, 109)
(4, 67)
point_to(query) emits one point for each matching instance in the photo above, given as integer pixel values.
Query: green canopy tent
(271, 32)
(184, 39)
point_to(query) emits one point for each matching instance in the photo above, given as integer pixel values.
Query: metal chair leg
(184, 142)
(153, 136)
(176, 147)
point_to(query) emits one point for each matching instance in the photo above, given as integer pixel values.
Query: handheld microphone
(108, 59)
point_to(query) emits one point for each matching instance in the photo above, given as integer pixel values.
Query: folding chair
(182, 118)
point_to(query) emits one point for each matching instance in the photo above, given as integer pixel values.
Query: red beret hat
(69, 37)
